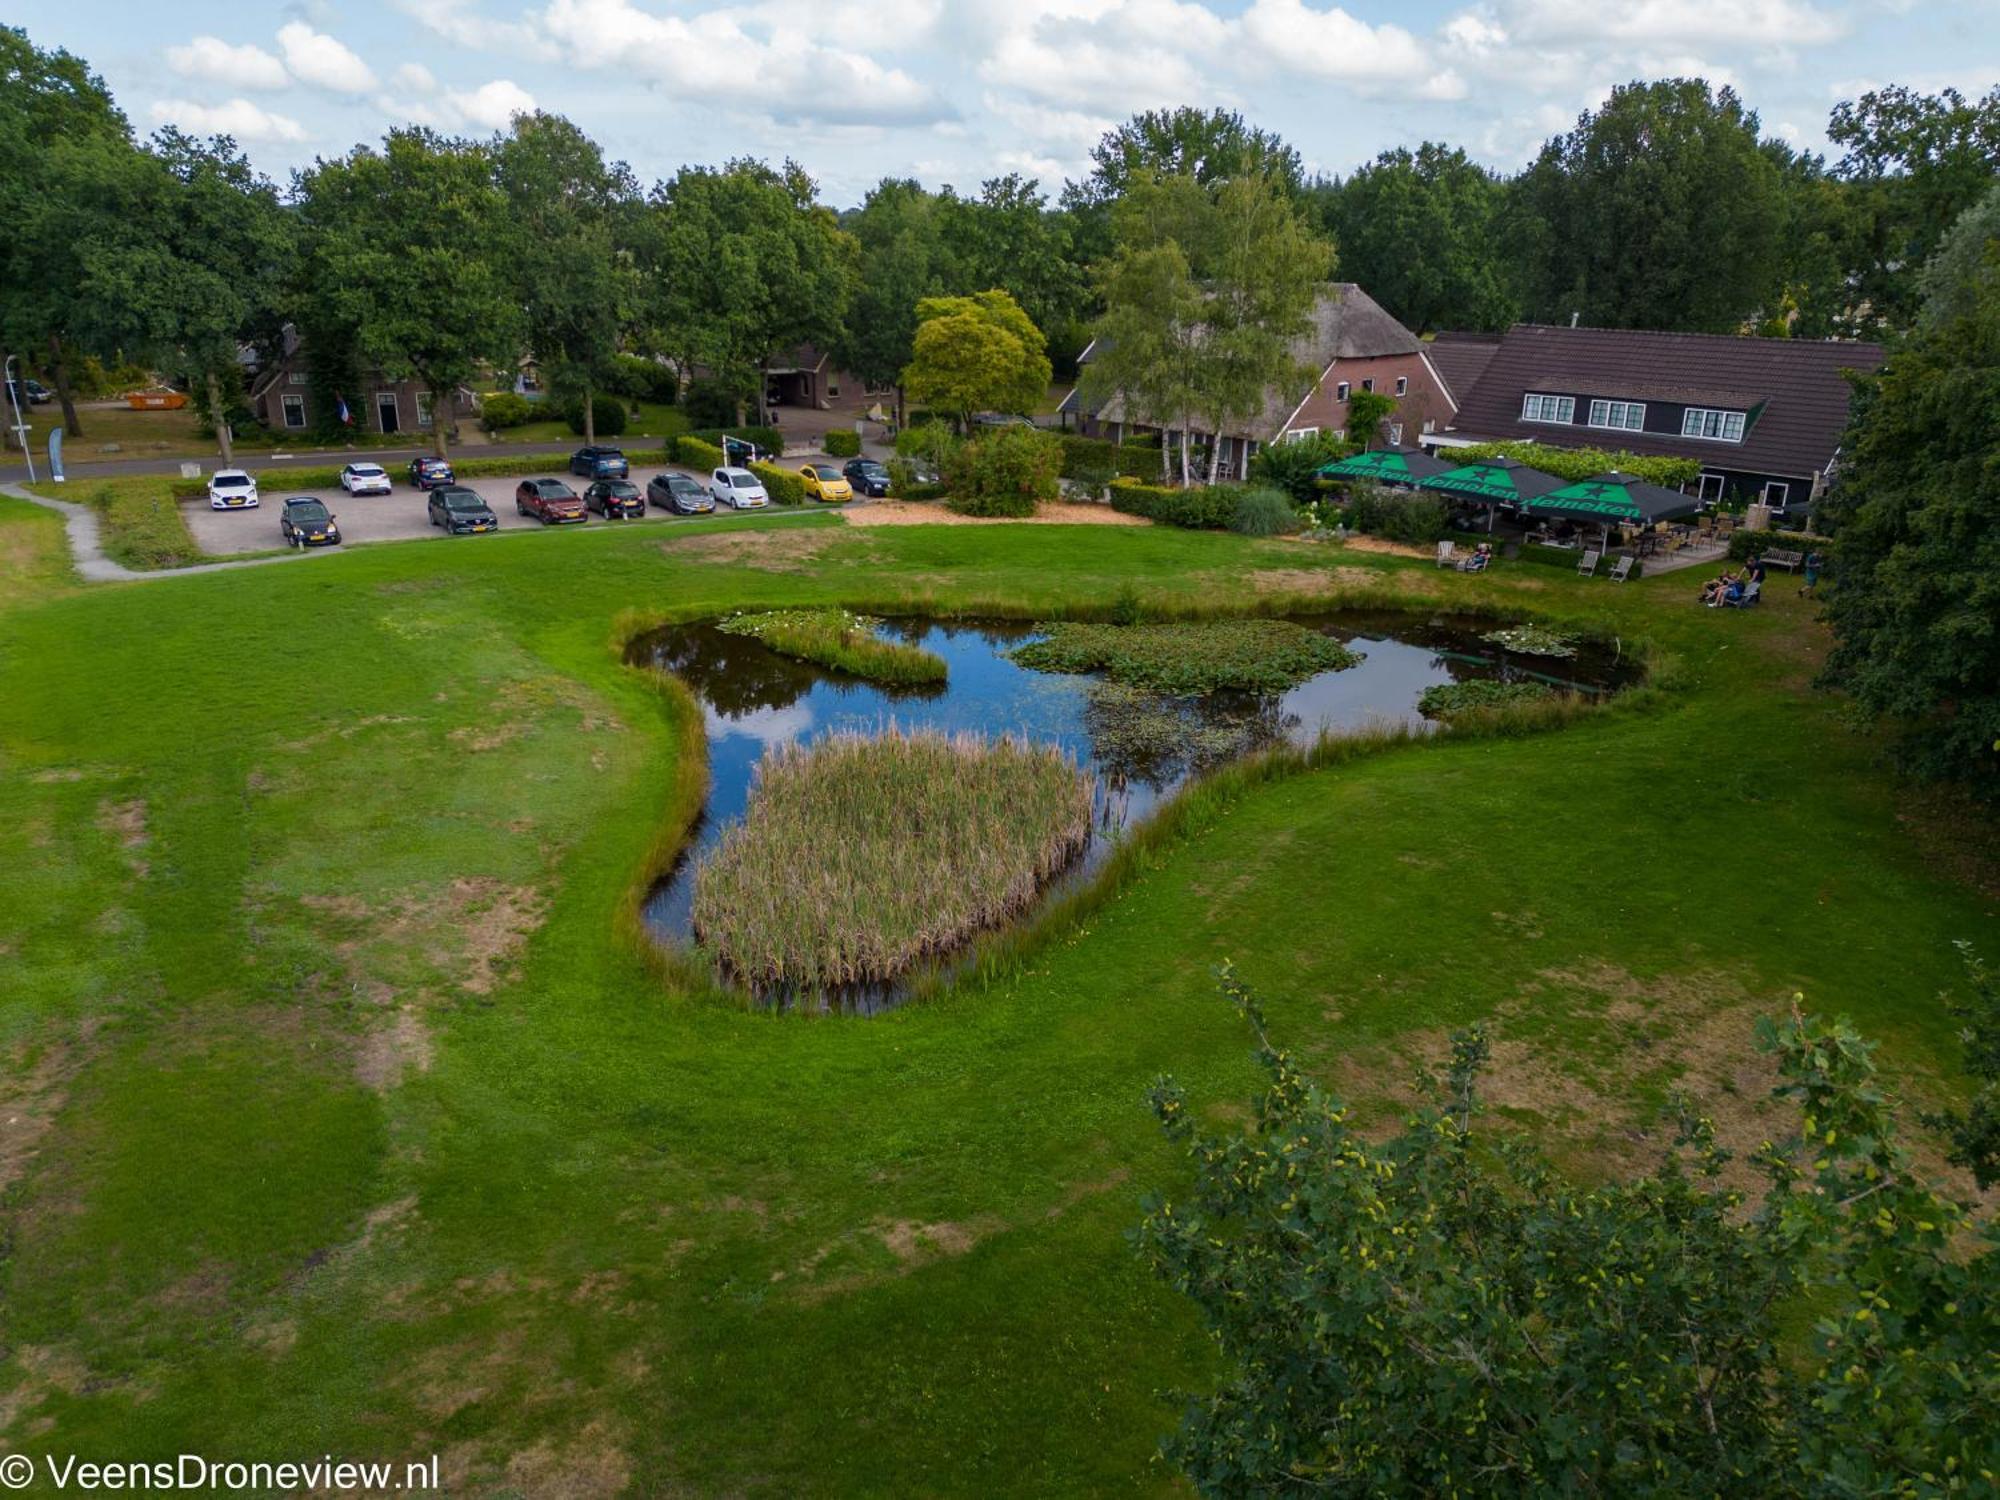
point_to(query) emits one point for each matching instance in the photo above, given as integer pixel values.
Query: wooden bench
(1791, 562)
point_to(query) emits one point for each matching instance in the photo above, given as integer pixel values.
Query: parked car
(737, 488)
(867, 477)
(365, 479)
(549, 501)
(429, 473)
(680, 494)
(306, 522)
(612, 498)
(599, 463)
(29, 393)
(459, 511)
(826, 484)
(231, 489)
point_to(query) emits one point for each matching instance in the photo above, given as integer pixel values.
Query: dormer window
(1715, 426)
(1548, 409)
(1627, 416)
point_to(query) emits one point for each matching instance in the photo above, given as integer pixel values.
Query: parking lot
(396, 517)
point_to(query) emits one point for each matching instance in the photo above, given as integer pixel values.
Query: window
(1395, 434)
(1627, 415)
(1340, 391)
(1367, 385)
(295, 411)
(1717, 426)
(1776, 495)
(1301, 434)
(297, 377)
(1402, 385)
(423, 408)
(833, 387)
(1548, 408)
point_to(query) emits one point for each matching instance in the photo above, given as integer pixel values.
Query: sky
(957, 91)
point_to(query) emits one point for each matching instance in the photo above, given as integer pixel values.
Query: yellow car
(826, 483)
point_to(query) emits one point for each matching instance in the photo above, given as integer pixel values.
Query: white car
(365, 479)
(231, 489)
(737, 488)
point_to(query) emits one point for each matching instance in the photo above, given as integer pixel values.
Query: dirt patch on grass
(1390, 549)
(769, 550)
(585, 1466)
(1315, 581)
(34, 1085)
(504, 917)
(1054, 513)
(472, 930)
(477, 738)
(125, 824)
(392, 1052)
(912, 1243)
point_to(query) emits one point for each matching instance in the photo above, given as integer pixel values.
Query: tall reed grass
(839, 639)
(859, 857)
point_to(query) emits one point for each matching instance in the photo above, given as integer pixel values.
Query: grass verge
(839, 639)
(139, 524)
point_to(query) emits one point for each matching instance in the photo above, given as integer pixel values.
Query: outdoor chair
(1588, 566)
(1444, 553)
(1621, 570)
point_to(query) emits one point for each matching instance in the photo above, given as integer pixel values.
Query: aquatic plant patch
(1451, 698)
(1534, 640)
(858, 857)
(846, 642)
(1189, 656)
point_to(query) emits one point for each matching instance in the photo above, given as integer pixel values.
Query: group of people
(1735, 589)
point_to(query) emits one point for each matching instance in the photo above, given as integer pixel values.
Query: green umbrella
(1613, 496)
(1498, 481)
(1387, 465)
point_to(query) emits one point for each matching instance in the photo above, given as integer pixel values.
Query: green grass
(1448, 700)
(860, 857)
(842, 640)
(345, 1114)
(139, 524)
(1188, 656)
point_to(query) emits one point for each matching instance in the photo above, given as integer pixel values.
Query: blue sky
(959, 90)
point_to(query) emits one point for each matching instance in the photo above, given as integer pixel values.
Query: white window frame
(1620, 416)
(1783, 490)
(1558, 411)
(1368, 385)
(423, 409)
(1697, 419)
(290, 404)
(1340, 391)
(1707, 486)
(394, 404)
(1402, 385)
(1395, 434)
(296, 377)
(1301, 434)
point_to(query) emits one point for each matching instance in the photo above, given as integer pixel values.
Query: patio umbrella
(1615, 497)
(1387, 466)
(1494, 482)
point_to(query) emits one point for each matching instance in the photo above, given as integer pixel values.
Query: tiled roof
(1795, 387)
(1461, 358)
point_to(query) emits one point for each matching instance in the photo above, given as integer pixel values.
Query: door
(1708, 488)
(387, 416)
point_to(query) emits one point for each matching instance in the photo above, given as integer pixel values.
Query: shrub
(1204, 508)
(709, 403)
(609, 412)
(1573, 464)
(1004, 472)
(1744, 545)
(846, 642)
(1189, 656)
(1414, 518)
(504, 409)
(767, 439)
(1264, 512)
(641, 379)
(782, 485)
(1084, 458)
(695, 453)
(1294, 467)
(843, 442)
(930, 442)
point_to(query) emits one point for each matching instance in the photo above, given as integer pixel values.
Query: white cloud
(1333, 44)
(1675, 22)
(234, 117)
(464, 24)
(413, 78)
(491, 104)
(212, 59)
(323, 61)
(1473, 34)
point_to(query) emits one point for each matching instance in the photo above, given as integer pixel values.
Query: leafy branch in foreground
(1444, 1314)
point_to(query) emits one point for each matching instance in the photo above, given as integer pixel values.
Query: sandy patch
(34, 1085)
(1391, 549)
(125, 822)
(912, 1243)
(767, 549)
(1313, 581)
(390, 1053)
(585, 1465)
(1053, 513)
(504, 916)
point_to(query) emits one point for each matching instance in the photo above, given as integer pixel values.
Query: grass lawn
(343, 1113)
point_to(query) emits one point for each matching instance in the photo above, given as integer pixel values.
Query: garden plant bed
(860, 857)
(839, 639)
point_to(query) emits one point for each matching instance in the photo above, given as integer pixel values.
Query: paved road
(257, 463)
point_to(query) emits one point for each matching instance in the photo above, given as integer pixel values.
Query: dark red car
(549, 501)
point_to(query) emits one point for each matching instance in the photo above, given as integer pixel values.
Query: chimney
(1573, 318)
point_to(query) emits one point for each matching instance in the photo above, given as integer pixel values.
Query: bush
(1205, 508)
(1294, 467)
(1085, 458)
(609, 412)
(1004, 472)
(782, 485)
(504, 409)
(1572, 464)
(709, 403)
(696, 453)
(1744, 545)
(1264, 512)
(1415, 519)
(843, 442)
(637, 378)
(931, 442)
(767, 439)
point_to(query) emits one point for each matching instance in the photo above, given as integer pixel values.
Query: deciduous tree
(1421, 231)
(978, 353)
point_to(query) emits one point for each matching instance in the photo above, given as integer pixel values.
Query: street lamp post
(20, 427)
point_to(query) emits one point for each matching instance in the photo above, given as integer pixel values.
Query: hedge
(1208, 508)
(1572, 464)
(1082, 456)
(782, 485)
(695, 453)
(843, 442)
(1744, 545)
(767, 438)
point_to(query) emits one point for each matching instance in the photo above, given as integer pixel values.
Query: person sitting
(1481, 556)
(1713, 590)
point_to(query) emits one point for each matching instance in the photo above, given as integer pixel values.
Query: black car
(680, 494)
(29, 392)
(868, 477)
(461, 511)
(305, 522)
(429, 473)
(612, 498)
(599, 463)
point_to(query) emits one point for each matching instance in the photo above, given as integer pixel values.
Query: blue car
(599, 463)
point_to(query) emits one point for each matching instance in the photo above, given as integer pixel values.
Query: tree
(1007, 238)
(571, 277)
(1914, 162)
(900, 261)
(974, 354)
(1657, 211)
(402, 247)
(1445, 1313)
(1916, 515)
(1211, 146)
(743, 263)
(1421, 231)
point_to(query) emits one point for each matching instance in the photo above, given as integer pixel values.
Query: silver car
(737, 488)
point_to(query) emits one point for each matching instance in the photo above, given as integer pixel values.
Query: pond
(1142, 745)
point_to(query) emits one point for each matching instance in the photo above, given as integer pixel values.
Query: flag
(346, 416)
